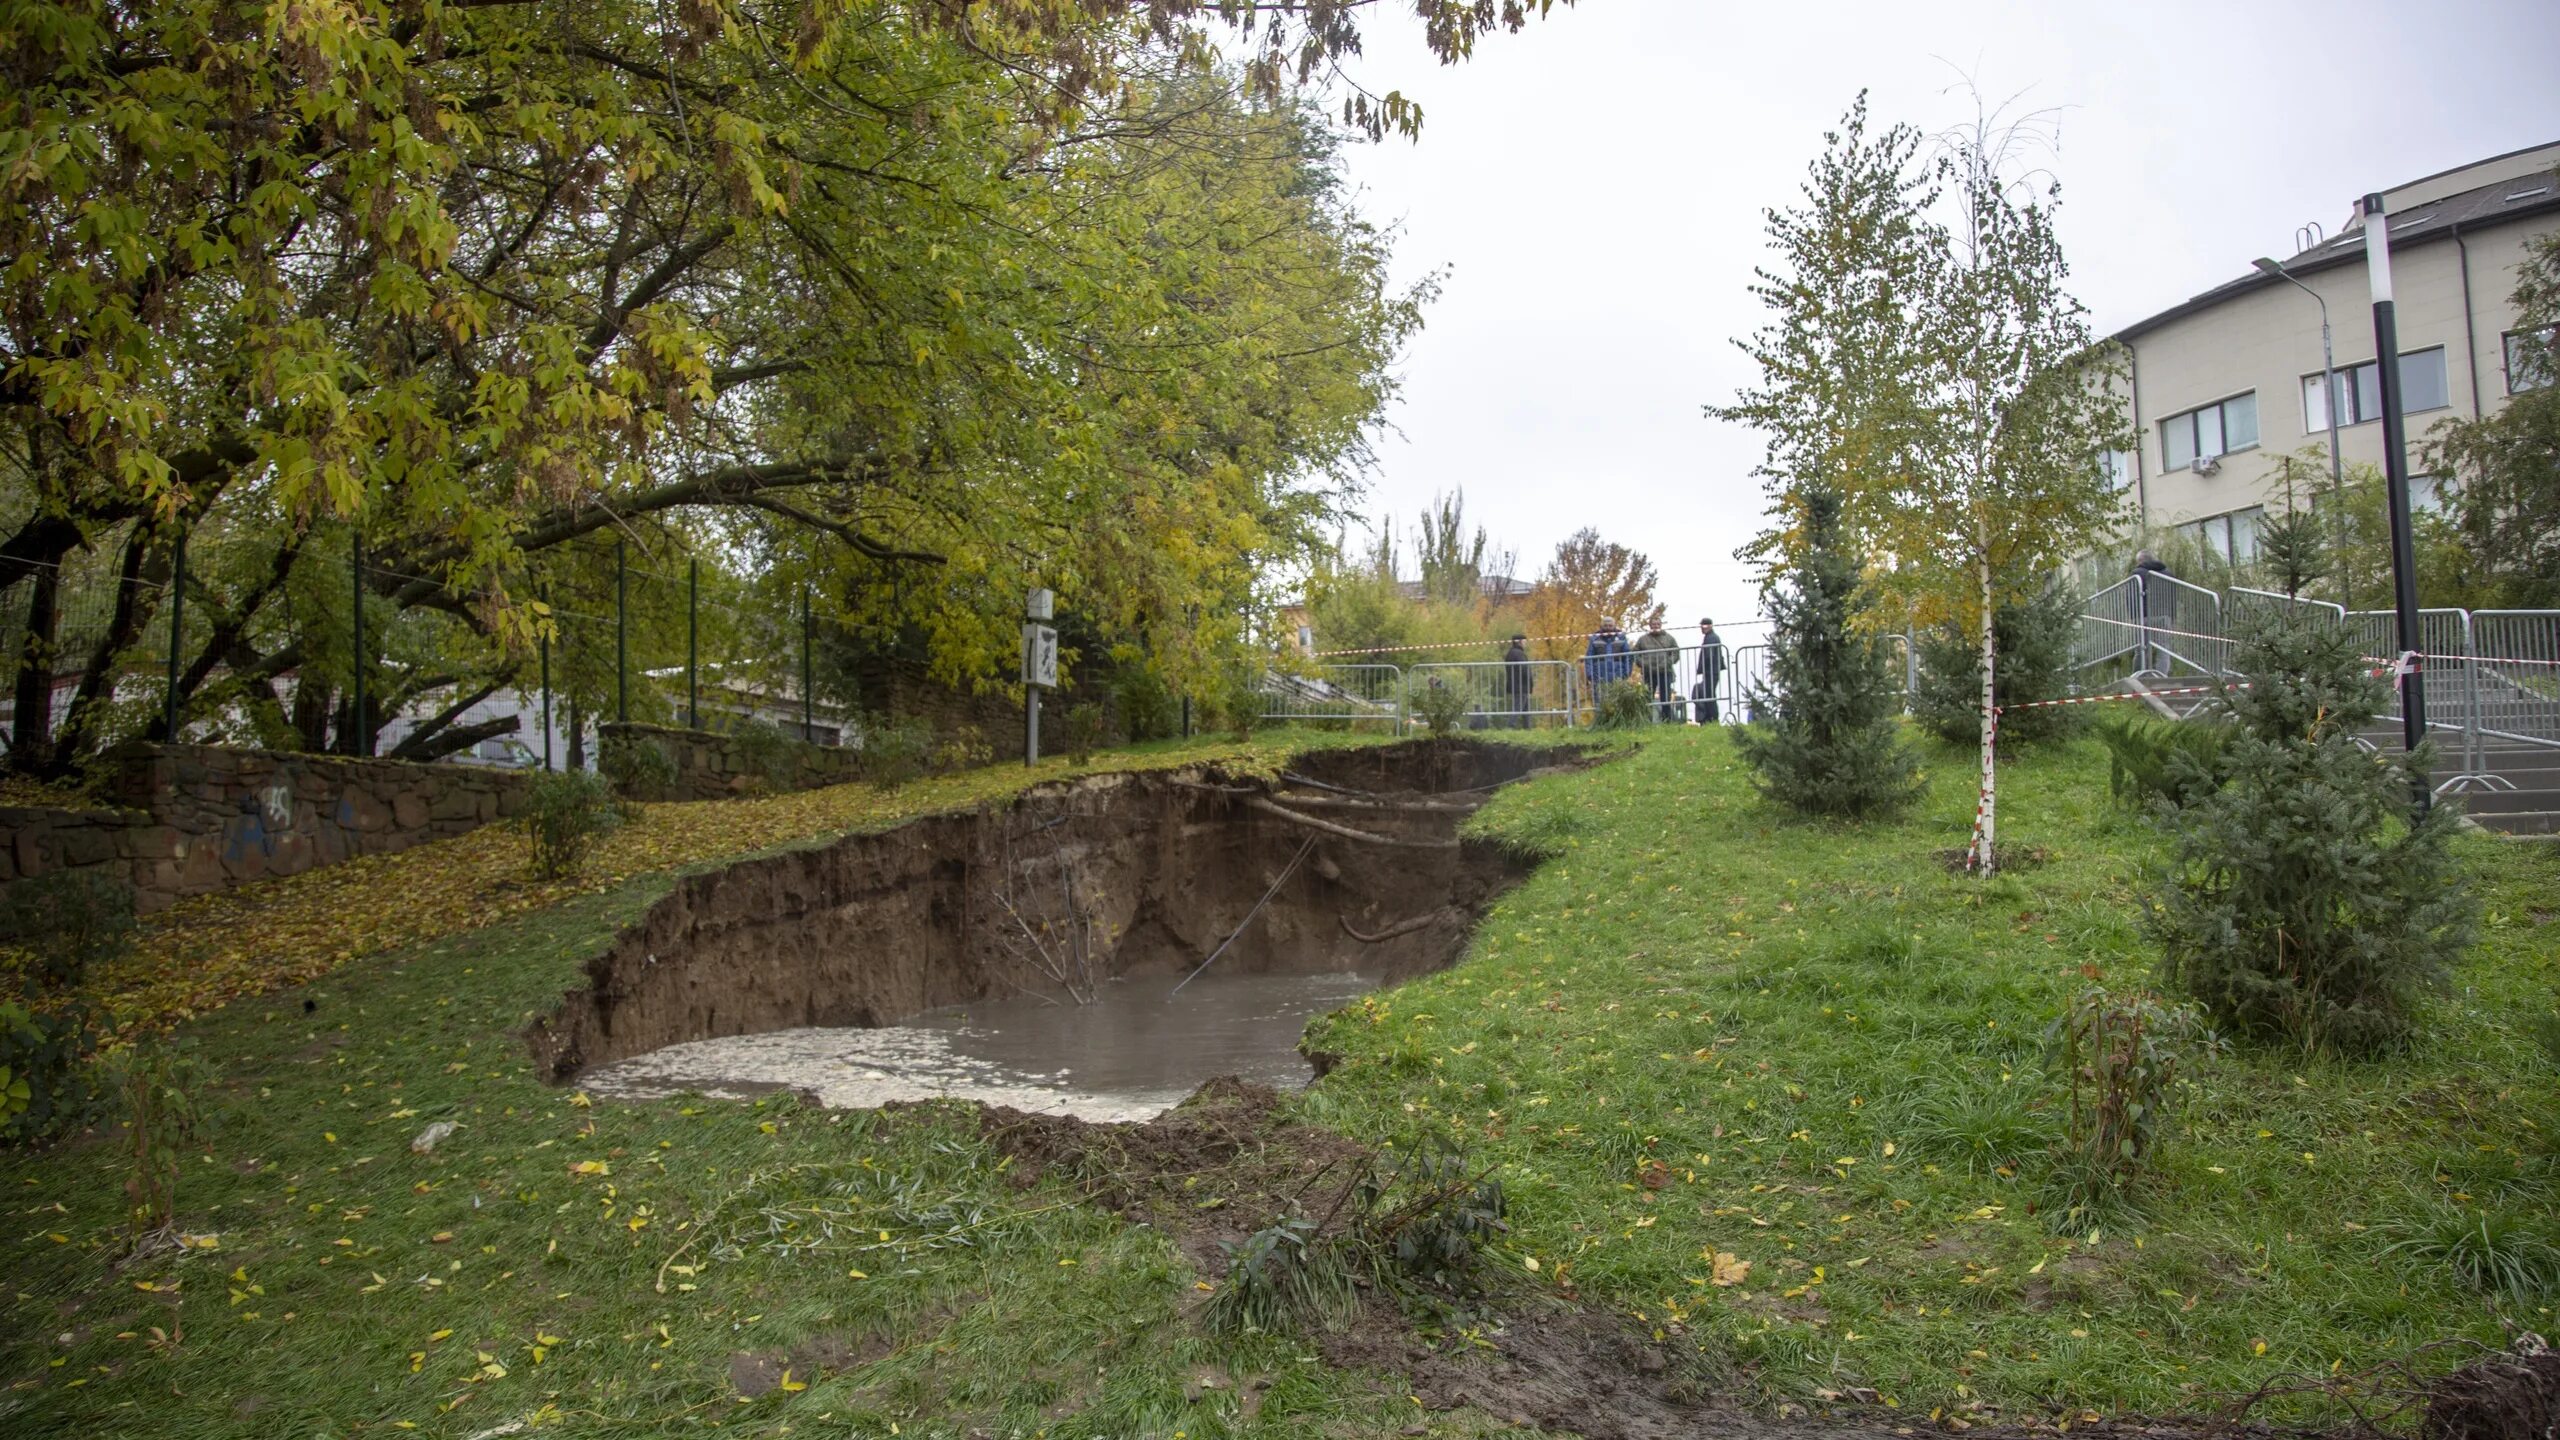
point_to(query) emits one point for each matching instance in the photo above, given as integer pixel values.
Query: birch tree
(2006, 476)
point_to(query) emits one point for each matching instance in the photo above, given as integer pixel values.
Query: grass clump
(2489, 1250)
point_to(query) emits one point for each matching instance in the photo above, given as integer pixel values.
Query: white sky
(1595, 187)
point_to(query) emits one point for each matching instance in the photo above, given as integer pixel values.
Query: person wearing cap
(1518, 681)
(1710, 673)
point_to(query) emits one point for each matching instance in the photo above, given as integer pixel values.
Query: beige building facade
(2229, 384)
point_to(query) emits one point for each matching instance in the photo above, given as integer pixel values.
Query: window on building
(2232, 538)
(2423, 386)
(2120, 469)
(2530, 359)
(1307, 638)
(2209, 430)
(2431, 492)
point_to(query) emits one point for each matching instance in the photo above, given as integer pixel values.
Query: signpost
(1039, 666)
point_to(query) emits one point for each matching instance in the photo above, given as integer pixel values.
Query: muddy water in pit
(1132, 1054)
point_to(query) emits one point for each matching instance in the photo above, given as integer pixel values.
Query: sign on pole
(1039, 655)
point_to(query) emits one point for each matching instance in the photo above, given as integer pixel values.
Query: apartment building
(2228, 383)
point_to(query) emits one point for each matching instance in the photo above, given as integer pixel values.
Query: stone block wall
(711, 765)
(190, 819)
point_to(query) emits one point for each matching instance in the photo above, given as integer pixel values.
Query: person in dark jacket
(1518, 682)
(2155, 603)
(1657, 659)
(1710, 672)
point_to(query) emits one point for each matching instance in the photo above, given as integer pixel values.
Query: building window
(2423, 386)
(2210, 430)
(2120, 467)
(2231, 539)
(2431, 492)
(2529, 358)
(1307, 639)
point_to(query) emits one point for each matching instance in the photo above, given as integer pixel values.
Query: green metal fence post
(177, 624)
(621, 632)
(693, 643)
(355, 655)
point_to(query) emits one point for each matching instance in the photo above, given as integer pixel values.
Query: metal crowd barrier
(1501, 694)
(1346, 695)
(2490, 674)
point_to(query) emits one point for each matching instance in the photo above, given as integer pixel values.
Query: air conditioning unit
(2207, 465)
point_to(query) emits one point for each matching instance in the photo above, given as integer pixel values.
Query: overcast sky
(1594, 187)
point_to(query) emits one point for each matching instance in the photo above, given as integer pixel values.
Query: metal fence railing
(1349, 695)
(2490, 675)
(1502, 694)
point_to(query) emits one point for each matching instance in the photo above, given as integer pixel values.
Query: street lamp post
(2329, 407)
(2395, 474)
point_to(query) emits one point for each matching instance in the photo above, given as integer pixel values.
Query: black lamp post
(2395, 471)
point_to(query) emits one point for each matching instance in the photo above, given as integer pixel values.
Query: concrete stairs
(2532, 807)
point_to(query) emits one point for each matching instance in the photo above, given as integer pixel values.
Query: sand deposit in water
(1132, 1054)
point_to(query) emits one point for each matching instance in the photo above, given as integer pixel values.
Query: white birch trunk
(1986, 831)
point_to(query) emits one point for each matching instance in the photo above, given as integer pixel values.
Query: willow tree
(926, 299)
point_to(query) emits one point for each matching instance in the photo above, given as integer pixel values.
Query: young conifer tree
(1827, 741)
(2312, 898)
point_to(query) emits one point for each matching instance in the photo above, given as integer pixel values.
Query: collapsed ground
(1695, 1032)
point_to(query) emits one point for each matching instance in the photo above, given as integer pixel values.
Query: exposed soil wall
(1156, 870)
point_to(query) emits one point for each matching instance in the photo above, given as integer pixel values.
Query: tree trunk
(98, 674)
(30, 740)
(1986, 826)
(577, 738)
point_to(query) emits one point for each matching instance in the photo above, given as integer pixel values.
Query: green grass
(1831, 1045)
(1836, 1048)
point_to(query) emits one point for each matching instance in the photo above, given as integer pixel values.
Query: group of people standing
(1608, 657)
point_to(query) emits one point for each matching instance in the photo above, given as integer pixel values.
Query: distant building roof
(1497, 587)
(2513, 197)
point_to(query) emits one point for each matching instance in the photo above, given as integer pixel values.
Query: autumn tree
(912, 312)
(1587, 581)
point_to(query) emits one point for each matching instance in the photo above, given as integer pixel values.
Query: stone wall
(712, 765)
(186, 820)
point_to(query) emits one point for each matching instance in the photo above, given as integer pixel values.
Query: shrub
(1080, 732)
(1441, 707)
(157, 1088)
(67, 922)
(1824, 736)
(894, 751)
(1148, 710)
(565, 811)
(2163, 762)
(44, 1087)
(2035, 639)
(960, 752)
(2311, 897)
(639, 769)
(765, 754)
(2119, 1057)
(1622, 705)
(1241, 702)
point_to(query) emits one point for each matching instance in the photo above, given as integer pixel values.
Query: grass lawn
(1833, 1050)
(1695, 1030)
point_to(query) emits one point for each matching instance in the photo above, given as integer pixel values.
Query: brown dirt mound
(2515, 1396)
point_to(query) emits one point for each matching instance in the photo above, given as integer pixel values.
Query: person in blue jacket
(1606, 659)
